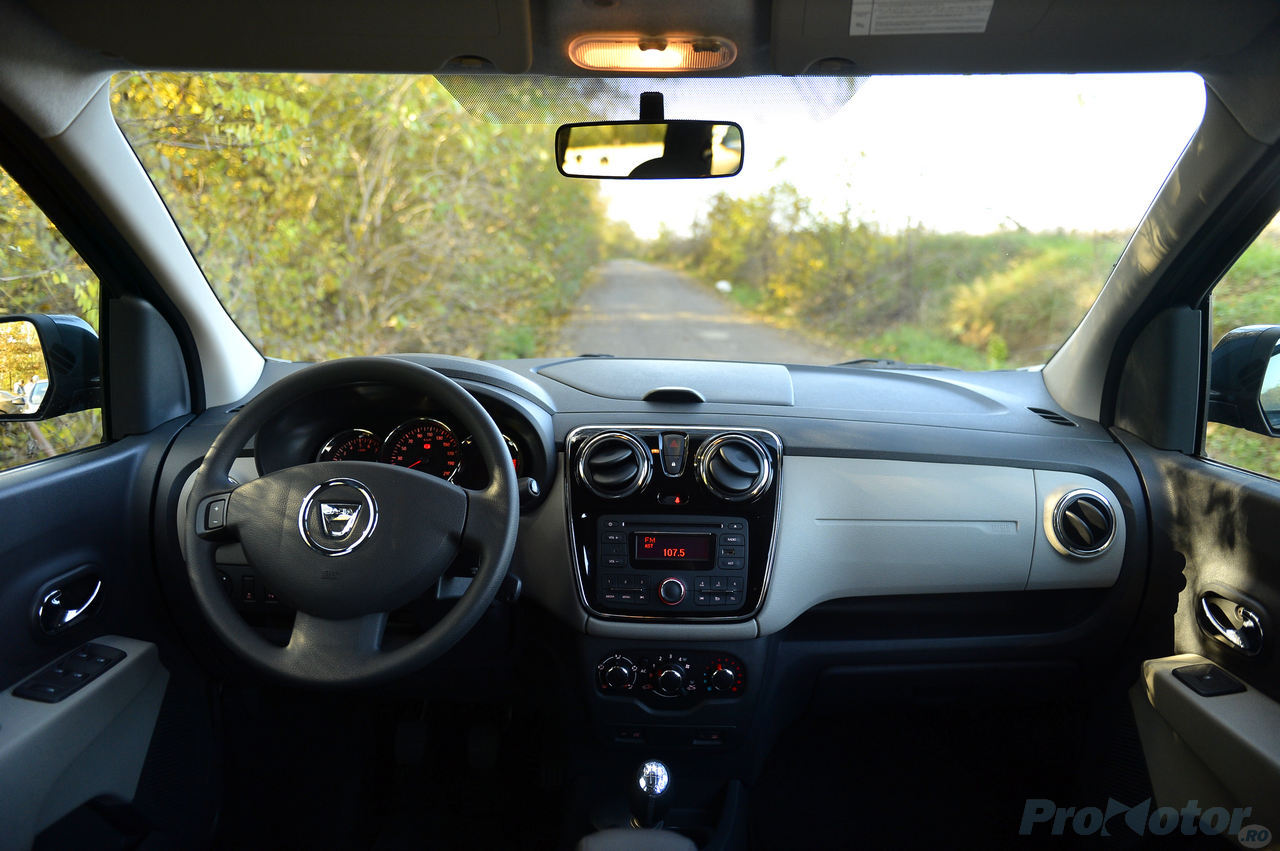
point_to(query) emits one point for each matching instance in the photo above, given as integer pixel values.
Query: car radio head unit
(691, 551)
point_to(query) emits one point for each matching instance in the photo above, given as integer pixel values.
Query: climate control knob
(619, 676)
(617, 673)
(671, 591)
(670, 682)
(723, 679)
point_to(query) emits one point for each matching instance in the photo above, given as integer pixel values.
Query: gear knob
(649, 799)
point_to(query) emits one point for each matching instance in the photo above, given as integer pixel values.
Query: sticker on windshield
(919, 17)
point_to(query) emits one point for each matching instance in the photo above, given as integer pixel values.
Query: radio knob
(671, 591)
(722, 679)
(671, 682)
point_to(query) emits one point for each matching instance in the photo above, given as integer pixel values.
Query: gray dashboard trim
(874, 527)
(673, 631)
(714, 381)
(56, 756)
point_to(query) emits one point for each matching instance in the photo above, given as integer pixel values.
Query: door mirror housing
(1244, 380)
(49, 366)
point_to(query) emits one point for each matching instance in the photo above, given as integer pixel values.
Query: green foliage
(339, 215)
(1002, 299)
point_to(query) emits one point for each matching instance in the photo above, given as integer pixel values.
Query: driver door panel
(83, 514)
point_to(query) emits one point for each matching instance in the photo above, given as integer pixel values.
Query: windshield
(962, 221)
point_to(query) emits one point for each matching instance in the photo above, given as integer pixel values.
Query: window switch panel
(69, 674)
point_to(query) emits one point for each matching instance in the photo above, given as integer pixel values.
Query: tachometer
(426, 445)
(469, 451)
(354, 444)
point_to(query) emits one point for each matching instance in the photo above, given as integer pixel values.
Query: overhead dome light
(652, 53)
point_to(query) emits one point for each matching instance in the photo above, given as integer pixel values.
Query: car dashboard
(713, 535)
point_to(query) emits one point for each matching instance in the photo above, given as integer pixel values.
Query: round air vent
(1084, 524)
(614, 464)
(734, 467)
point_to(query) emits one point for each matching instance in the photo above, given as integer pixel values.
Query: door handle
(65, 602)
(1244, 635)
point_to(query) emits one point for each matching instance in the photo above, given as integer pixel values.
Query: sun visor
(380, 36)
(999, 36)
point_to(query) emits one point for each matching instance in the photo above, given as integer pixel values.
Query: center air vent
(614, 464)
(1084, 524)
(734, 467)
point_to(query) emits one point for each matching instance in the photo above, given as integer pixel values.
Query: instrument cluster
(425, 444)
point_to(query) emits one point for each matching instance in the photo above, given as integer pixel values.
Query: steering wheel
(347, 542)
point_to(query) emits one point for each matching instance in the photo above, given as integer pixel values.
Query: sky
(963, 153)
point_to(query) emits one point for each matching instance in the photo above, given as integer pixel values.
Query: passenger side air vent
(614, 464)
(734, 467)
(1084, 524)
(1052, 416)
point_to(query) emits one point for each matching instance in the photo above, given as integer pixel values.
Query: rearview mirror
(1244, 379)
(647, 150)
(49, 366)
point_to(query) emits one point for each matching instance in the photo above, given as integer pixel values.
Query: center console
(672, 524)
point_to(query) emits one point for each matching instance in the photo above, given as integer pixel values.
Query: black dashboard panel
(639, 554)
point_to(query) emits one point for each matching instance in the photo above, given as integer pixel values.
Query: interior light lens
(652, 53)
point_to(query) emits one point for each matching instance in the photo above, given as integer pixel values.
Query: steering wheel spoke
(210, 517)
(488, 511)
(328, 642)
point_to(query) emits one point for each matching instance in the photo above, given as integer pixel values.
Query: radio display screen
(674, 549)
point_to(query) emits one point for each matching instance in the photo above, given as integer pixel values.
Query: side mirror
(1244, 379)
(49, 366)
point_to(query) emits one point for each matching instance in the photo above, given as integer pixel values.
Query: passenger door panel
(1215, 539)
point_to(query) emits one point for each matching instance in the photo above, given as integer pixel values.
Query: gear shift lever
(649, 799)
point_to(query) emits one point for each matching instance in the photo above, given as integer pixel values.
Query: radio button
(733, 540)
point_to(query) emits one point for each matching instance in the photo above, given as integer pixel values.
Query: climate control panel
(672, 679)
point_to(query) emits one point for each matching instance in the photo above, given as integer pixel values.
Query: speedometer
(354, 444)
(424, 444)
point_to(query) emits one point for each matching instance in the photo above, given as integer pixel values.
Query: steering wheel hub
(337, 516)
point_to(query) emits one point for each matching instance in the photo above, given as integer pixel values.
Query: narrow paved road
(640, 310)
